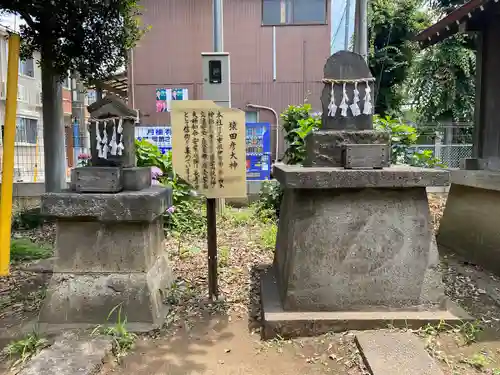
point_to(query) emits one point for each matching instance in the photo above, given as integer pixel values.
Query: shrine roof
(455, 22)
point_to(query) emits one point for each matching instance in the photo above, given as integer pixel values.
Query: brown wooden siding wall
(169, 56)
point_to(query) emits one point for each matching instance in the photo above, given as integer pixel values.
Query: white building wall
(29, 160)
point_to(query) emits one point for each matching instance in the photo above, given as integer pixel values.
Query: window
(293, 12)
(90, 97)
(67, 82)
(22, 93)
(26, 130)
(251, 116)
(27, 68)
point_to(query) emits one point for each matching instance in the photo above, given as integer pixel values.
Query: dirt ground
(219, 338)
(220, 346)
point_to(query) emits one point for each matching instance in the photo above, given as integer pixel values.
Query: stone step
(395, 353)
(70, 355)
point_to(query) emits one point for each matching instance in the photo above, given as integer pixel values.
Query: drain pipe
(256, 106)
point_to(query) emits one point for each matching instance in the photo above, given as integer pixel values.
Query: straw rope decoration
(344, 104)
(114, 145)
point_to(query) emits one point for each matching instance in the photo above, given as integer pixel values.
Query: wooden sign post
(208, 152)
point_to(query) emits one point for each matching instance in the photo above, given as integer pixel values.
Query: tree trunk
(53, 132)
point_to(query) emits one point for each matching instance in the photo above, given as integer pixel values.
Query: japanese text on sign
(209, 148)
(160, 136)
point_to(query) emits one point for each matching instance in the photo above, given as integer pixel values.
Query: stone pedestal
(108, 253)
(469, 225)
(355, 248)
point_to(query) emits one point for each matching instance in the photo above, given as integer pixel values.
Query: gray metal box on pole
(217, 77)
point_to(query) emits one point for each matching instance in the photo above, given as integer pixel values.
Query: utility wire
(344, 15)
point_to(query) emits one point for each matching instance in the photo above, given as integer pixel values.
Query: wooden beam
(110, 88)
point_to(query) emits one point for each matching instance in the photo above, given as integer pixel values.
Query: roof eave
(453, 23)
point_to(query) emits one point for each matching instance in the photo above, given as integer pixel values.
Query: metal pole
(212, 203)
(347, 24)
(8, 153)
(218, 27)
(363, 28)
(356, 48)
(213, 288)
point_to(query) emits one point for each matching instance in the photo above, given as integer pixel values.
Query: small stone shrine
(355, 247)
(109, 232)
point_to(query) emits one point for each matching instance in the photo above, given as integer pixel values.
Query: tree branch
(28, 19)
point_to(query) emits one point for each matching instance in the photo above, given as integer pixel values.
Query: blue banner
(160, 135)
(258, 149)
(258, 146)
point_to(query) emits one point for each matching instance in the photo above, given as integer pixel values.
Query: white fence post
(438, 147)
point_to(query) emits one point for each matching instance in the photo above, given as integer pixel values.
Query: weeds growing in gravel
(123, 339)
(468, 330)
(22, 250)
(238, 218)
(478, 361)
(178, 291)
(26, 348)
(268, 236)
(223, 256)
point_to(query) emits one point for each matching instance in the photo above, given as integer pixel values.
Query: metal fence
(29, 151)
(450, 143)
(449, 155)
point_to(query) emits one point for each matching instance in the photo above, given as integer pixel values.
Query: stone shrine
(109, 232)
(355, 247)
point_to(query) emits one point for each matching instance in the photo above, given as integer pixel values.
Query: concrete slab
(70, 355)
(139, 206)
(395, 353)
(289, 324)
(397, 176)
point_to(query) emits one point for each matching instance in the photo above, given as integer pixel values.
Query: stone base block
(357, 250)
(297, 177)
(137, 178)
(324, 147)
(145, 205)
(89, 298)
(92, 246)
(288, 324)
(469, 226)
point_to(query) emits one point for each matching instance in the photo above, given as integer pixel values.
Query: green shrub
(189, 215)
(403, 137)
(268, 206)
(297, 124)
